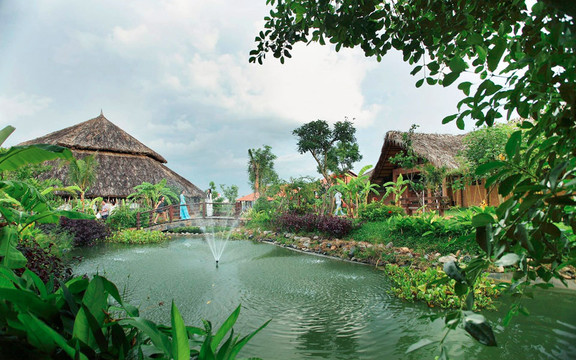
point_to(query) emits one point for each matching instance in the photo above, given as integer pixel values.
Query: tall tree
(334, 150)
(261, 171)
(524, 59)
(230, 192)
(83, 173)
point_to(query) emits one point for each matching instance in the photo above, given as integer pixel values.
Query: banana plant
(356, 190)
(21, 204)
(397, 188)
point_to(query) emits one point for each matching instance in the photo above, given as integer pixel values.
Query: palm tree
(150, 193)
(83, 173)
(261, 171)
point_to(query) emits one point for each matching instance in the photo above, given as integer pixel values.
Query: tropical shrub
(87, 232)
(57, 238)
(334, 226)
(137, 237)
(123, 217)
(43, 262)
(310, 223)
(430, 232)
(187, 229)
(417, 285)
(378, 211)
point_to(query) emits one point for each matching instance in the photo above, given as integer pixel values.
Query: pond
(321, 308)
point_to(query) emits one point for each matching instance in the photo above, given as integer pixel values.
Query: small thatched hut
(440, 150)
(124, 162)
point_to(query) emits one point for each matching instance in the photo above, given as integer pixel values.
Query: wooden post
(237, 209)
(138, 221)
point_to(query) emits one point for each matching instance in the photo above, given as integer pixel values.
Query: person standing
(184, 215)
(104, 210)
(159, 209)
(209, 207)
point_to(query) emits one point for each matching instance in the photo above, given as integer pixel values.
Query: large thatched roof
(438, 149)
(97, 134)
(122, 165)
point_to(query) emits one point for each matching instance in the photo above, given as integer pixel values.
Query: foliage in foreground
(530, 46)
(137, 237)
(78, 321)
(417, 285)
(43, 262)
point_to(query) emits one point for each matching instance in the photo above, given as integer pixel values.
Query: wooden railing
(171, 213)
(427, 203)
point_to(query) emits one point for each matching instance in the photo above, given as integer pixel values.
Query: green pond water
(321, 308)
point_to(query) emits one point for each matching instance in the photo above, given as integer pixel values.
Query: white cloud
(130, 36)
(19, 106)
(175, 75)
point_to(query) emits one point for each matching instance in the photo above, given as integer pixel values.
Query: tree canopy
(334, 150)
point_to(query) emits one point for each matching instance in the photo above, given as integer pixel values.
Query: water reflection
(320, 307)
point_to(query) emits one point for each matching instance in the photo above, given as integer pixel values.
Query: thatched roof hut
(438, 149)
(124, 162)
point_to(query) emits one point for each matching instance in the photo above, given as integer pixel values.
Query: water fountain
(217, 240)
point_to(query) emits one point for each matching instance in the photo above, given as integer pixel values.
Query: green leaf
(160, 341)
(420, 344)
(513, 144)
(453, 271)
(470, 301)
(96, 298)
(18, 156)
(38, 283)
(482, 219)
(481, 52)
(507, 185)
(556, 172)
(226, 326)
(496, 53)
(27, 301)
(4, 133)
(457, 64)
(180, 347)
(465, 87)
(44, 334)
(508, 260)
(484, 168)
(460, 288)
(11, 257)
(477, 326)
(416, 70)
(443, 353)
(88, 330)
(460, 123)
(449, 118)
(450, 78)
(240, 344)
(419, 83)
(484, 238)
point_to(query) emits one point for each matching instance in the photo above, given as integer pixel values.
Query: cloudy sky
(175, 75)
